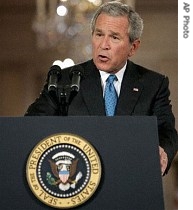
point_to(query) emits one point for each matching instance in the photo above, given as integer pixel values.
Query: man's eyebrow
(112, 32)
(115, 33)
(98, 30)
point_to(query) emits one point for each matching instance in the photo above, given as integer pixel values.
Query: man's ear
(134, 46)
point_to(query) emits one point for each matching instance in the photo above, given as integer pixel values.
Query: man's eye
(98, 34)
(115, 38)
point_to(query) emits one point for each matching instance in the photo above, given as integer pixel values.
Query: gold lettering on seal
(46, 197)
(93, 158)
(84, 194)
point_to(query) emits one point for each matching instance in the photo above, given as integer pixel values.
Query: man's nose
(105, 43)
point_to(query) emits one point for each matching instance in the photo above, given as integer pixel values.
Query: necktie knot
(111, 78)
(110, 95)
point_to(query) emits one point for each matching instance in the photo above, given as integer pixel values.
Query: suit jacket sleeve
(44, 105)
(166, 121)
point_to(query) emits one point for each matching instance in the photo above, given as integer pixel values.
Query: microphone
(54, 75)
(75, 75)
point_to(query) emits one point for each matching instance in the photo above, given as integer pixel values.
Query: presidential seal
(63, 170)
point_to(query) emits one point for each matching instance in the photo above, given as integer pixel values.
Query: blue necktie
(110, 96)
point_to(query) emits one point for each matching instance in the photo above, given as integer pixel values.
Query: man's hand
(163, 159)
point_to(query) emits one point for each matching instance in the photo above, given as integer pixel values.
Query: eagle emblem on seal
(63, 166)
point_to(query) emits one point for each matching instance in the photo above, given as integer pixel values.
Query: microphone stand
(64, 96)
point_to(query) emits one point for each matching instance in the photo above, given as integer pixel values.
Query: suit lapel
(92, 91)
(131, 89)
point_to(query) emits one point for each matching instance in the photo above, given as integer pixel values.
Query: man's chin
(103, 67)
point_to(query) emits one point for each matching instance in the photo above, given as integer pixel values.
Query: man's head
(116, 9)
(116, 31)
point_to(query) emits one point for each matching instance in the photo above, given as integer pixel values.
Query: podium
(127, 147)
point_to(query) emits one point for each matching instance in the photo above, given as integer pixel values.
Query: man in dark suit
(116, 31)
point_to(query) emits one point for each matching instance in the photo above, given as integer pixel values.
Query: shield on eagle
(64, 175)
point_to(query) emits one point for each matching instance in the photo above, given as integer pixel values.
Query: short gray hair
(115, 9)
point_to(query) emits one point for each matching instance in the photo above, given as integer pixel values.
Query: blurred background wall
(33, 36)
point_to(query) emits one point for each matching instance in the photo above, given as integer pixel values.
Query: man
(116, 31)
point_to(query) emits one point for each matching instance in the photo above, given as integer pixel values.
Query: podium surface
(128, 150)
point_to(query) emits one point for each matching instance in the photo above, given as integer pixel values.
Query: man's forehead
(104, 19)
(110, 24)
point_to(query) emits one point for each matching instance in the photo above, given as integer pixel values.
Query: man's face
(110, 43)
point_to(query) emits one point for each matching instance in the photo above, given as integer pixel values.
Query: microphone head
(55, 69)
(53, 76)
(77, 69)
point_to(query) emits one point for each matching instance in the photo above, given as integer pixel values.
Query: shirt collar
(119, 74)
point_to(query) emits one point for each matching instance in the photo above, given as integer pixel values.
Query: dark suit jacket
(143, 92)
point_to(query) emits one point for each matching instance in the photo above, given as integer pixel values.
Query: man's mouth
(103, 58)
